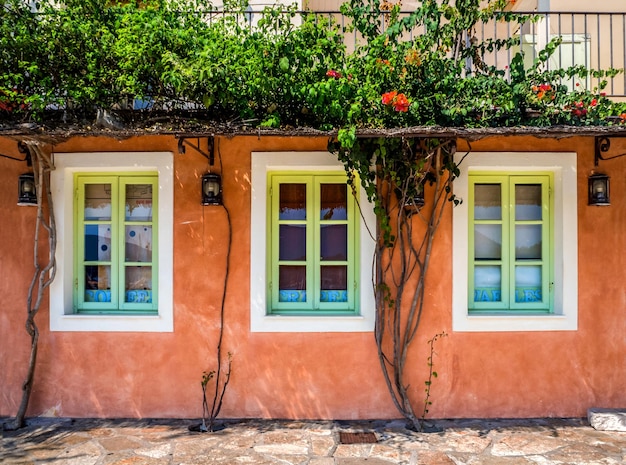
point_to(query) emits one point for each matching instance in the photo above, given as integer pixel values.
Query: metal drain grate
(357, 438)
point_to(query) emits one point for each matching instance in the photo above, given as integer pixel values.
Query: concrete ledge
(607, 419)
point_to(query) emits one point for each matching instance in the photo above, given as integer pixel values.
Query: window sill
(514, 323)
(112, 323)
(312, 324)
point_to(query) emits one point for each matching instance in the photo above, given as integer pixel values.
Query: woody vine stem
(403, 170)
(44, 273)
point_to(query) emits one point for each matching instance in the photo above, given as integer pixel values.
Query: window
(327, 250)
(510, 253)
(515, 243)
(115, 257)
(313, 238)
(114, 216)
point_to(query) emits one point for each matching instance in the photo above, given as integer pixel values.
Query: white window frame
(62, 317)
(565, 315)
(260, 320)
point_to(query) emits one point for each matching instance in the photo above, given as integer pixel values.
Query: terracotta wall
(308, 375)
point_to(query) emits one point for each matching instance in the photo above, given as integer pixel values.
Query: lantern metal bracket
(22, 148)
(210, 155)
(603, 144)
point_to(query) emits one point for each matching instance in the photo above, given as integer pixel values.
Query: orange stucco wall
(308, 375)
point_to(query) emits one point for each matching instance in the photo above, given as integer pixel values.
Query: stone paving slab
(607, 419)
(169, 442)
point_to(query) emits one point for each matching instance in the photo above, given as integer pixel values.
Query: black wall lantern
(26, 193)
(211, 182)
(211, 189)
(599, 189)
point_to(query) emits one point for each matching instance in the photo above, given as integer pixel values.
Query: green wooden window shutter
(312, 244)
(511, 247)
(115, 254)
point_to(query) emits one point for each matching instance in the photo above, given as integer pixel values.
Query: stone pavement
(169, 442)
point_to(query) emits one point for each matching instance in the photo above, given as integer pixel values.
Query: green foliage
(290, 69)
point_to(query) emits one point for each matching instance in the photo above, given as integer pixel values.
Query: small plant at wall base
(432, 374)
(209, 415)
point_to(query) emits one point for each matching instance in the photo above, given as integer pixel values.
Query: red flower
(389, 97)
(333, 74)
(594, 102)
(401, 103)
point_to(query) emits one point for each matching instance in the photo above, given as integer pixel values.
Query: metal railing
(595, 40)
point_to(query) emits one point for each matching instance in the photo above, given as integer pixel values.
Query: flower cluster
(380, 63)
(333, 74)
(544, 92)
(580, 109)
(399, 102)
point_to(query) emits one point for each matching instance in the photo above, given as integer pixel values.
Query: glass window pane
(138, 285)
(138, 243)
(528, 202)
(487, 241)
(138, 202)
(487, 284)
(97, 202)
(292, 202)
(334, 242)
(334, 201)
(528, 284)
(334, 278)
(334, 283)
(138, 278)
(291, 283)
(487, 202)
(98, 277)
(97, 242)
(528, 242)
(292, 242)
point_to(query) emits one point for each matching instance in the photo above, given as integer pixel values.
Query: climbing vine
(44, 273)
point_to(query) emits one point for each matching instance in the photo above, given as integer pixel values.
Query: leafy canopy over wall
(291, 69)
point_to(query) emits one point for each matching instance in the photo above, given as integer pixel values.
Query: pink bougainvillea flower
(389, 97)
(401, 103)
(333, 74)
